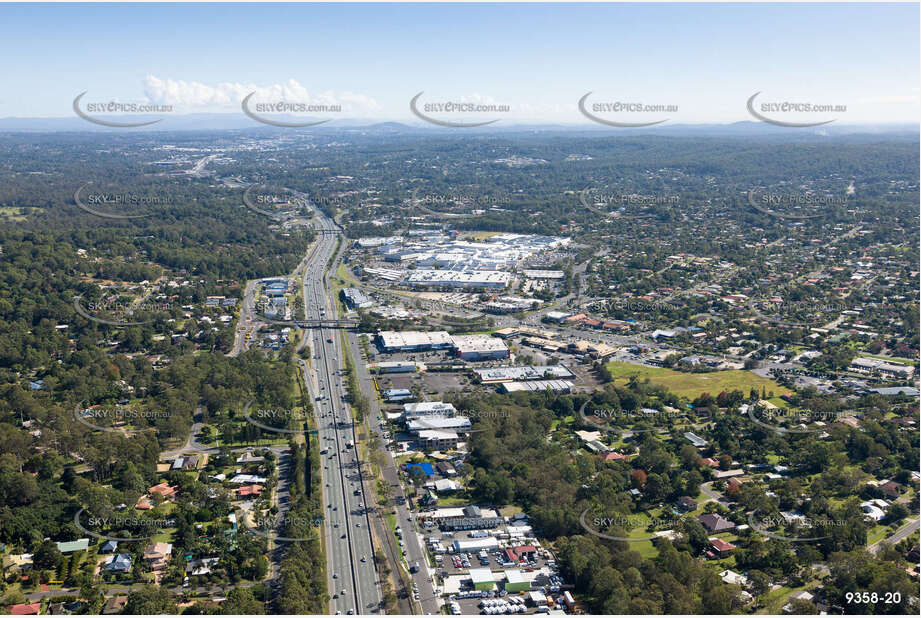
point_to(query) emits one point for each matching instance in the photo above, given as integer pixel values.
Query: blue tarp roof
(426, 468)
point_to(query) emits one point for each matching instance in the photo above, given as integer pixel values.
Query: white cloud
(220, 97)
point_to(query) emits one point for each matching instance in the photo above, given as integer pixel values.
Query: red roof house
(25, 609)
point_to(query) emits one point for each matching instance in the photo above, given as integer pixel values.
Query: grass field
(691, 385)
(478, 235)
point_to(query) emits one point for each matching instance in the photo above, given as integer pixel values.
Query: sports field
(691, 385)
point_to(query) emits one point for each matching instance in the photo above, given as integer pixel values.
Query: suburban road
(899, 535)
(414, 549)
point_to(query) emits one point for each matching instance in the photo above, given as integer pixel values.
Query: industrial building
(428, 408)
(394, 367)
(370, 243)
(543, 274)
(275, 287)
(356, 299)
(489, 543)
(515, 582)
(479, 347)
(467, 347)
(556, 316)
(446, 423)
(397, 394)
(477, 279)
(482, 579)
(481, 522)
(522, 373)
(437, 440)
(869, 365)
(555, 386)
(511, 304)
(413, 340)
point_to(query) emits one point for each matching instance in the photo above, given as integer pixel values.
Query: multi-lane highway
(352, 576)
(415, 551)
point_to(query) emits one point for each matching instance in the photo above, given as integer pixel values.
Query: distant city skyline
(528, 63)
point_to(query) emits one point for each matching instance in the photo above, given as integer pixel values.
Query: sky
(703, 61)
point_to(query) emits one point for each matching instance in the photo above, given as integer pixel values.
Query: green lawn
(774, 600)
(878, 533)
(691, 385)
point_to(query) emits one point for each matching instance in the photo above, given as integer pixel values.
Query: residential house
(68, 547)
(801, 595)
(200, 566)
(715, 523)
(872, 511)
(445, 469)
(694, 439)
(733, 578)
(157, 555)
(115, 604)
(725, 474)
(249, 457)
(164, 489)
(720, 548)
(249, 491)
(891, 489)
(119, 564)
(24, 609)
